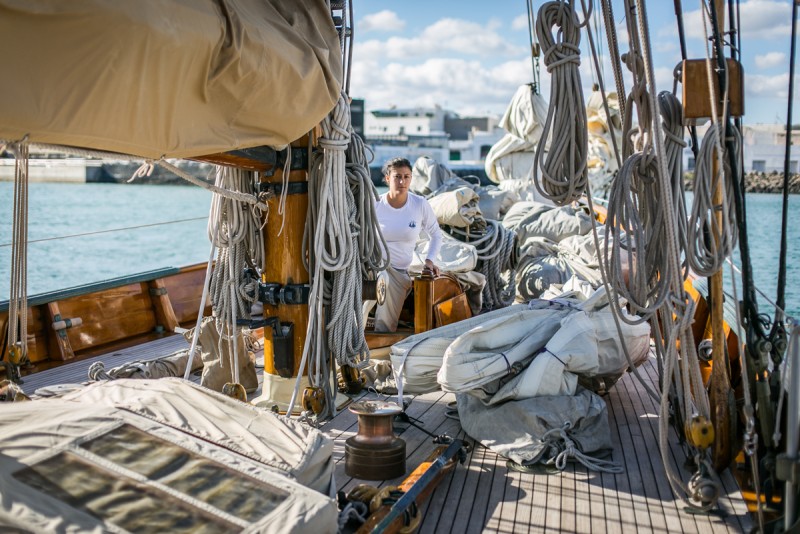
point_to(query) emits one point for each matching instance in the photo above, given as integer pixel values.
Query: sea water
(133, 228)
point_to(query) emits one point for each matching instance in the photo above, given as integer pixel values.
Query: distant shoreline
(760, 182)
(120, 172)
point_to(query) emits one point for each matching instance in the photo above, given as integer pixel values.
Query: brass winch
(375, 453)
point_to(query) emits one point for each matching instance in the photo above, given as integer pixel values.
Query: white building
(443, 135)
(405, 121)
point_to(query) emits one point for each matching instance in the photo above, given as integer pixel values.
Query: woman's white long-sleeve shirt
(401, 228)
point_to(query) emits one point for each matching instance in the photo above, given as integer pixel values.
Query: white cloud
(767, 86)
(770, 59)
(520, 23)
(443, 36)
(467, 87)
(760, 19)
(386, 21)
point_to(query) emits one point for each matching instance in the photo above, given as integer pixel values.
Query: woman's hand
(432, 267)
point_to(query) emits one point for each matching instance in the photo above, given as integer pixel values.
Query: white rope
(235, 229)
(202, 307)
(331, 239)
(371, 243)
(711, 242)
(564, 172)
(18, 293)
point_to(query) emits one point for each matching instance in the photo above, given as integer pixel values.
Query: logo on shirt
(412, 224)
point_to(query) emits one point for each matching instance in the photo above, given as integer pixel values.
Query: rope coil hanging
(234, 228)
(564, 172)
(332, 240)
(712, 242)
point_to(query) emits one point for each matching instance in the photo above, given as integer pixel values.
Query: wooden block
(165, 315)
(423, 304)
(61, 347)
(452, 310)
(696, 99)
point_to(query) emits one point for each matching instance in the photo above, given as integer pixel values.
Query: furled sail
(174, 78)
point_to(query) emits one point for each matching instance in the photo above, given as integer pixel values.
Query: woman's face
(399, 180)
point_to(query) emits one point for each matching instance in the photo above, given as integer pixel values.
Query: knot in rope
(145, 169)
(97, 371)
(560, 54)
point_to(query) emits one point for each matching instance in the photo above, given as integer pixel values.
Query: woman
(402, 215)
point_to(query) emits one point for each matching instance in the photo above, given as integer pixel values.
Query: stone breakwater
(761, 182)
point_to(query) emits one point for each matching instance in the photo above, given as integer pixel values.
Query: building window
(759, 165)
(793, 166)
(690, 164)
(485, 150)
(419, 128)
(455, 155)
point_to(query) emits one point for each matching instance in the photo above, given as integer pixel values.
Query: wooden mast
(283, 266)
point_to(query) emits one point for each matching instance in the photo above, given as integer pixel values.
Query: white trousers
(398, 286)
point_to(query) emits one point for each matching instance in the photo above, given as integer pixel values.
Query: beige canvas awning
(175, 78)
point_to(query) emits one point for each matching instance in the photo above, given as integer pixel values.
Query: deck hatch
(142, 482)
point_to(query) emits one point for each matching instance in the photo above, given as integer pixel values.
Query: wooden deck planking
(657, 479)
(495, 520)
(644, 485)
(731, 501)
(484, 496)
(76, 372)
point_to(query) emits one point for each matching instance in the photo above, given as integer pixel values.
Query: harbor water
(120, 230)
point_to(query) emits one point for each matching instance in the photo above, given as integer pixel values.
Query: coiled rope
(371, 243)
(234, 228)
(637, 212)
(563, 169)
(677, 316)
(331, 239)
(711, 242)
(497, 254)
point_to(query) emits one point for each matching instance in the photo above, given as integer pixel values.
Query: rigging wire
(110, 230)
(682, 38)
(780, 299)
(535, 48)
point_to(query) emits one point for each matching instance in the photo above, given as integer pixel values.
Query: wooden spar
(723, 403)
(423, 303)
(416, 488)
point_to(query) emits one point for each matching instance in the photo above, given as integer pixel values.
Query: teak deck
(483, 495)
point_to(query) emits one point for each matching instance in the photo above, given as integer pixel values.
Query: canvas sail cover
(174, 78)
(160, 456)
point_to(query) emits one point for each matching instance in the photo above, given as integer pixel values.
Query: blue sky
(470, 56)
